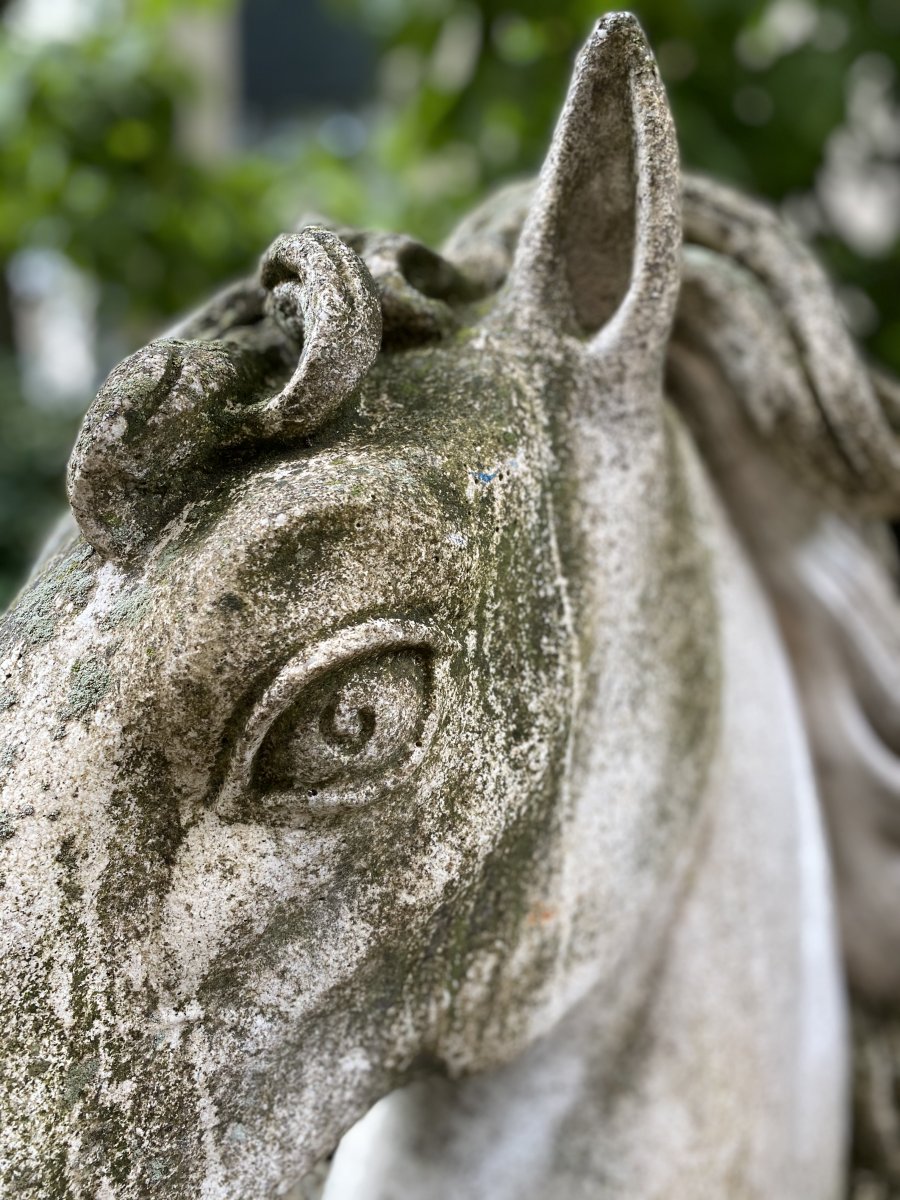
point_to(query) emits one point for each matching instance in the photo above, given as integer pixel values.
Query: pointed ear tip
(621, 31)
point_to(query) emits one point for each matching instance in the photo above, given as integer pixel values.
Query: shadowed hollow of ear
(600, 250)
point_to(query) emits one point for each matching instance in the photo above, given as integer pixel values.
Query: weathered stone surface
(417, 706)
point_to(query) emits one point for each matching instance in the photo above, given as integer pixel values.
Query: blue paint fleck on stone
(481, 476)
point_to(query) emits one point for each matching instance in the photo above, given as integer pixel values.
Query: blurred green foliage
(92, 163)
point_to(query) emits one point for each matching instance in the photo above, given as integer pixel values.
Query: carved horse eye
(355, 722)
(338, 724)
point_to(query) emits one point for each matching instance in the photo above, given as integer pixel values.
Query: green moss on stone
(88, 683)
(63, 587)
(79, 1077)
(129, 608)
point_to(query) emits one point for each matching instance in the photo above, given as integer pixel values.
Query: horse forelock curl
(267, 362)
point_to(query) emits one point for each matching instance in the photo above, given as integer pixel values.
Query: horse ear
(600, 250)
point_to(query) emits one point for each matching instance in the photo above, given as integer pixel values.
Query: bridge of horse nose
(58, 670)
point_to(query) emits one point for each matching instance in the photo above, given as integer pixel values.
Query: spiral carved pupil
(346, 726)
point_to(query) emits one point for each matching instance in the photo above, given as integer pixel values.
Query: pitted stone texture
(412, 713)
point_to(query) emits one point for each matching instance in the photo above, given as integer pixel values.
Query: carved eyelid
(354, 644)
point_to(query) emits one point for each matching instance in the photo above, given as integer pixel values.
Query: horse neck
(752, 981)
(729, 1055)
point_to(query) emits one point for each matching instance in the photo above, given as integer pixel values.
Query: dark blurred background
(150, 149)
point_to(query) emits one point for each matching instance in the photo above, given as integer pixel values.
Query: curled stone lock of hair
(157, 431)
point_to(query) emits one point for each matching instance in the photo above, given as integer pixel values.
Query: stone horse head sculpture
(410, 703)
